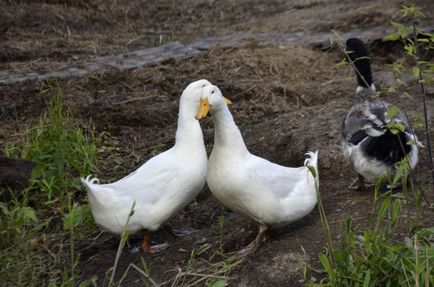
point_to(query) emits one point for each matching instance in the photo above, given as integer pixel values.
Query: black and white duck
(371, 147)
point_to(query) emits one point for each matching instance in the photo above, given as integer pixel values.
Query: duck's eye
(212, 92)
(203, 86)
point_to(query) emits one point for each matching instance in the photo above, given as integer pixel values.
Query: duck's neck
(364, 93)
(227, 135)
(189, 134)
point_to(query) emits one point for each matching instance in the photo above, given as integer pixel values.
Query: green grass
(61, 149)
(44, 217)
(376, 256)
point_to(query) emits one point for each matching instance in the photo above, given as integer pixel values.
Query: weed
(413, 40)
(221, 229)
(373, 258)
(62, 150)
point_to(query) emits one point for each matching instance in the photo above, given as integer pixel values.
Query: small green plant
(415, 41)
(221, 229)
(122, 242)
(61, 149)
(373, 258)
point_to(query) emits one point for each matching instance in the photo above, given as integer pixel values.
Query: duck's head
(213, 99)
(192, 94)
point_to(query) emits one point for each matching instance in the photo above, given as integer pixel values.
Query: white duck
(369, 144)
(269, 193)
(163, 185)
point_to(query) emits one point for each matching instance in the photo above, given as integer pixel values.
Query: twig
(132, 100)
(423, 94)
(144, 274)
(124, 238)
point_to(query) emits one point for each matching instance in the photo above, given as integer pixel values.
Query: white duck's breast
(370, 169)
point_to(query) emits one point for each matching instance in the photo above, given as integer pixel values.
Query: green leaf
(415, 71)
(396, 207)
(392, 112)
(4, 208)
(219, 283)
(367, 279)
(80, 215)
(312, 170)
(343, 62)
(391, 89)
(398, 175)
(402, 30)
(26, 214)
(410, 49)
(383, 208)
(395, 127)
(392, 37)
(326, 264)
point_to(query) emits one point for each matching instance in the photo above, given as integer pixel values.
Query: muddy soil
(288, 99)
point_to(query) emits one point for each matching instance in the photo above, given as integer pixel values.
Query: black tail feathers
(357, 51)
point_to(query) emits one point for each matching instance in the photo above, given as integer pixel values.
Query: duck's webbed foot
(359, 184)
(147, 247)
(253, 246)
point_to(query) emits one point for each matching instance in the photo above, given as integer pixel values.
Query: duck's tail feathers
(312, 162)
(89, 182)
(95, 190)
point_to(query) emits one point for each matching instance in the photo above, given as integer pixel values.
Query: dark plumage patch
(359, 55)
(387, 147)
(358, 137)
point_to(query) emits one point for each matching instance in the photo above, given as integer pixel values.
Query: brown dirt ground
(287, 100)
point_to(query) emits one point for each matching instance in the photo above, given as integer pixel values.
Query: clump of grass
(29, 224)
(375, 257)
(61, 149)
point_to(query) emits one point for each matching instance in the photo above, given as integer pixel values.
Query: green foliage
(219, 283)
(396, 127)
(221, 229)
(14, 223)
(62, 150)
(79, 218)
(373, 258)
(415, 43)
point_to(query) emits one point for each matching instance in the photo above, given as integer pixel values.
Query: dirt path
(176, 51)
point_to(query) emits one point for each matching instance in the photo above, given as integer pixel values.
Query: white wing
(279, 180)
(148, 182)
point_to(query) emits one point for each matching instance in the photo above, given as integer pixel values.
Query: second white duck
(268, 193)
(160, 187)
